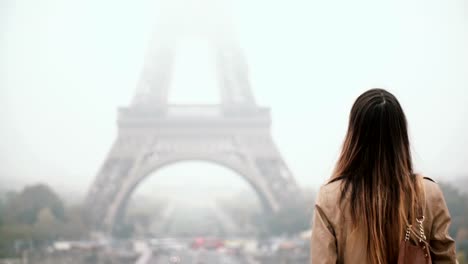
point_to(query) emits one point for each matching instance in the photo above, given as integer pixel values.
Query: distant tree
(461, 258)
(458, 207)
(5, 199)
(13, 238)
(457, 203)
(47, 227)
(462, 234)
(25, 206)
(2, 211)
(290, 220)
(34, 217)
(74, 226)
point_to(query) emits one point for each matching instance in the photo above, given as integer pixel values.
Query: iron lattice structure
(153, 133)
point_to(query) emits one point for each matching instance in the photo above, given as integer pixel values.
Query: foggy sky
(65, 67)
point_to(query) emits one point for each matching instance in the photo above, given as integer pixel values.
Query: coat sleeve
(323, 247)
(441, 244)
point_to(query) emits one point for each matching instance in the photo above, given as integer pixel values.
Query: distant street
(198, 257)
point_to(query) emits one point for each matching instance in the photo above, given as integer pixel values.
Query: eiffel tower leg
(117, 206)
(114, 172)
(127, 165)
(272, 171)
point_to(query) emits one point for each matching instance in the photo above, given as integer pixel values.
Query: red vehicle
(207, 243)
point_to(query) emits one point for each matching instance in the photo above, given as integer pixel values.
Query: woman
(362, 213)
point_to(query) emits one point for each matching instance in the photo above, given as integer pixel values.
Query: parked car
(207, 243)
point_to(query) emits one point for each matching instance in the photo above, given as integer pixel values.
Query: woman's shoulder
(329, 193)
(433, 195)
(328, 202)
(431, 188)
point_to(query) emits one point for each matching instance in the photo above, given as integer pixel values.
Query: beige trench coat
(333, 241)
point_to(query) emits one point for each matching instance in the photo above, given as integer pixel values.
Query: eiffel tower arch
(153, 133)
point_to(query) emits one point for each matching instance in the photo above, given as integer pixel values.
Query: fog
(65, 67)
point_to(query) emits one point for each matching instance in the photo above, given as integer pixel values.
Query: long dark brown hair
(377, 174)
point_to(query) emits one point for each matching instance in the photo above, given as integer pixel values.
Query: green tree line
(34, 217)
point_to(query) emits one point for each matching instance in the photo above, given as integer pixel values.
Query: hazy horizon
(67, 65)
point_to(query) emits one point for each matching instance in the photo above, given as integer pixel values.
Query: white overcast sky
(65, 67)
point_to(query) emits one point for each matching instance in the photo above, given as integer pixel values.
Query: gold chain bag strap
(415, 254)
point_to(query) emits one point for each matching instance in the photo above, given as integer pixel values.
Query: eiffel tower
(153, 133)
